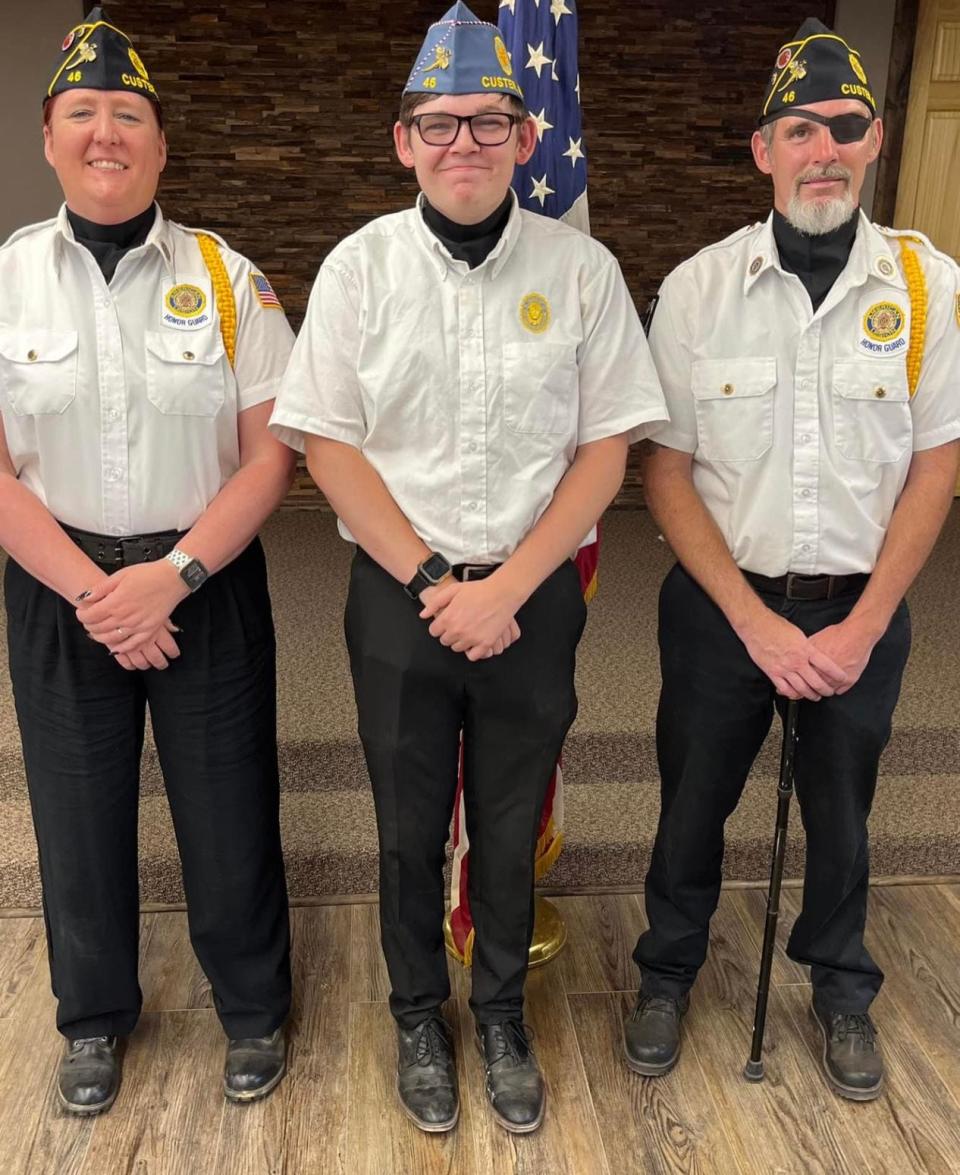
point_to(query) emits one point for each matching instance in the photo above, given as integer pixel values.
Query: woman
(138, 364)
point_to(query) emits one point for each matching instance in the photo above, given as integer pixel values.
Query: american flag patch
(264, 291)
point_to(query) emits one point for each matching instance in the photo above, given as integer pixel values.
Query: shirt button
(880, 393)
(471, 505)
(113, 474)
(804, 493)
(32, 356)
(805, 439)
(189, 355)
(728, 389)
(805, 547)
(472, 447)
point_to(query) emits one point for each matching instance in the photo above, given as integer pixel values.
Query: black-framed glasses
(844, 128)
(488, 130)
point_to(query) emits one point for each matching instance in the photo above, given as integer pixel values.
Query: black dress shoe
(427, 1075)
(514, 1083)
(851, 1063)
(651, 1034)
(89, 1075)
(254, 1066)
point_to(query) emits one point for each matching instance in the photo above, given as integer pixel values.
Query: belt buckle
(476, 571)
(133, 550)
(806, 587)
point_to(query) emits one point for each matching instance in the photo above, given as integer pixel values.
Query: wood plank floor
(336, 1111)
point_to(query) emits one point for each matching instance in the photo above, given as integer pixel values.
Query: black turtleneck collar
(816, 260)
(109, 242)
(472, 243)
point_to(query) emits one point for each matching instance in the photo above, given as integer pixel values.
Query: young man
(465, 386)
(810, 366)
(138, 364)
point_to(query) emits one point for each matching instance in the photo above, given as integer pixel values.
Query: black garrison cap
(816, 66)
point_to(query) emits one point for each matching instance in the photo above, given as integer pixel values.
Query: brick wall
(279, 122)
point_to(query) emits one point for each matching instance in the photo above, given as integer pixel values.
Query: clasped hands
(829, 662)
(476, 618)
(129, 612)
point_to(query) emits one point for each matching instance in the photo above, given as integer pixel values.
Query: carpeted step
(610, 767)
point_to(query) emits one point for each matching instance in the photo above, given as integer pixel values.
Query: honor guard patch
(535, 313)
(884, 327)
(185, 307)
(186, 301)
(883, 322)
(265, 292)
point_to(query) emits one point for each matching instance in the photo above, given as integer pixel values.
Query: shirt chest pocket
(38, 371)
(541, 387)
(185, 376)
(871, 409)
(734, 406)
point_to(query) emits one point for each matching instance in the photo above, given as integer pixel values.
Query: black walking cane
(753, 1070)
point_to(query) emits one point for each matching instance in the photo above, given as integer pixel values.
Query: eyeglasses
(844, 128)
(488, 130)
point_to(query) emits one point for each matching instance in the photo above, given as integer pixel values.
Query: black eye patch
(845, 128)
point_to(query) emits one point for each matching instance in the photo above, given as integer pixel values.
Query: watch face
(194, 574)
(436, 567)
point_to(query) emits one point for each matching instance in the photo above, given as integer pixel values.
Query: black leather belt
(807, 587)
(110, 551)
(468, 571)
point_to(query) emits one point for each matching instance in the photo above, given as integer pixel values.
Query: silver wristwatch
(192, 571)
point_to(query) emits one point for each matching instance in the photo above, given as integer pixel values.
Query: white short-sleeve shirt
(469, 391)
(801, 424)
(118, 401)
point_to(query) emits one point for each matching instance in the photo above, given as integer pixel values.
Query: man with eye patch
(810, 365)
(138, 364)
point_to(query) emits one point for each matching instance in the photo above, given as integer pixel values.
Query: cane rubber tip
(753, 1070)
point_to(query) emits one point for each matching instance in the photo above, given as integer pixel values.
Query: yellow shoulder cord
(222, 293)
(917, 292)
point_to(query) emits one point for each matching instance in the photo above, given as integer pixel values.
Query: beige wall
(29, 191)
(867, 25)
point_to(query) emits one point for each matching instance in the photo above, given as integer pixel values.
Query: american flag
(264, 291)
(541, 36)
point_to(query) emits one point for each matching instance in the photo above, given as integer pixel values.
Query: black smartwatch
(429, 574)
(192, 571)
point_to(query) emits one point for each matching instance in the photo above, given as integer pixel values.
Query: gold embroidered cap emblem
(86, 51)
(858, 68)
(137, 63)
(441, 60)
(883, 321)
(503, 56)
(534, 313)
(186, 301)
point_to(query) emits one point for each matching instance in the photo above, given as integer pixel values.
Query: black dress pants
(715, 710)
(213, 712)
(414, 696)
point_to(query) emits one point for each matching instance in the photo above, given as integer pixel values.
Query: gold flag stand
(549, 934)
